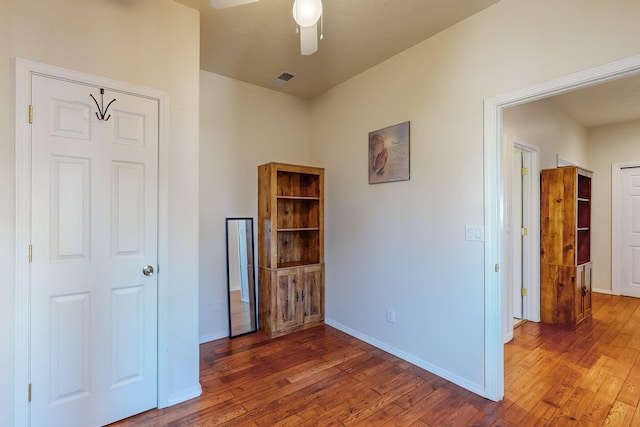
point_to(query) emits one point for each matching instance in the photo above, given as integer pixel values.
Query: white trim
(560, 162)
(184, 395)
(494, 198)
(531, 303)
(164, 371)
(214, 336)
(508, 335)
(509, 237)
(24, 69)
(493, 253)
(443, 373)
(602, 291)
(616, 236)
(532, 300)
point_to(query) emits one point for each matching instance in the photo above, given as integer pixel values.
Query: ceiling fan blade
(223, 4)
(309, 39)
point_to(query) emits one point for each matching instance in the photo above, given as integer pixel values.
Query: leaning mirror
(241, 276)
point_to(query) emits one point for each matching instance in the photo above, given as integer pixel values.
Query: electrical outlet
(216, 306)
(391, 316)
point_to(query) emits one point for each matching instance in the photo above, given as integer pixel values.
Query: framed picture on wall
(389, 154)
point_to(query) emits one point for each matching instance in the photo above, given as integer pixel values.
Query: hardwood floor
(553, 376)
(240, 314)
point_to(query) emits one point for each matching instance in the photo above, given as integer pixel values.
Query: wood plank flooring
(322, 377)
(240, 314)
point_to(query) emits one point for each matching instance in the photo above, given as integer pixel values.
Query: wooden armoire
(290, 247)
(565, 246)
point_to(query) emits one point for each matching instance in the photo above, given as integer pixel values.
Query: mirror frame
(252, 278)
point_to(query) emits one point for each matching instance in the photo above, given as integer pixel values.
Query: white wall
(401, 245)
(152, 43)
(241, 127)
(546, 126)
(617, 143)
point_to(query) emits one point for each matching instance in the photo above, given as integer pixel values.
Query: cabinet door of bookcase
(583, 290)
(286, 295)
(313, 296)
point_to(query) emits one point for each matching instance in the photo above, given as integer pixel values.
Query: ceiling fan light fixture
(307, 12)
(309, 40)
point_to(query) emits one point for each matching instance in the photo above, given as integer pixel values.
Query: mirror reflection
(240, 276)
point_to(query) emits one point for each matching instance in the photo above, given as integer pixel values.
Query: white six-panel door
(93, 348)
(630, 231)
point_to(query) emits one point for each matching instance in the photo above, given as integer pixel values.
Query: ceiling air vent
(281, 79)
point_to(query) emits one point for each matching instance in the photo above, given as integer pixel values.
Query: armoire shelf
(290, 247)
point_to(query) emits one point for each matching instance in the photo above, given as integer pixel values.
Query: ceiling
(603, 104)
(256, 42)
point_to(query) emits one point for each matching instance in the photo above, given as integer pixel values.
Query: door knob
(148, 270)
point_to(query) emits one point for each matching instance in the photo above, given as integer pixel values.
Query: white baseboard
(182, 396)
(602, 291)
(508, 336)
(443, 373)
(214, 336)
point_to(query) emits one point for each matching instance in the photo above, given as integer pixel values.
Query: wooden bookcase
(565, 246)
(290, 247)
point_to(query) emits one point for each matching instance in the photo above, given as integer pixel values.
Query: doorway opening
(495, 196)
(624, 253)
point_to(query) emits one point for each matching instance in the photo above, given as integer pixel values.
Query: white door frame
(495, 198)
(616, 232)
(531, 245)
(23, 72)
(531, 304)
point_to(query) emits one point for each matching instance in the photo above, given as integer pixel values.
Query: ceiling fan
(306, 13)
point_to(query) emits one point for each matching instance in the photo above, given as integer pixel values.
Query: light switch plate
(474, 233)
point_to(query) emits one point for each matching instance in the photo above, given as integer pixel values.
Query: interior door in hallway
(516, 221)
(519, 220)
(93, 355)
(630, 231)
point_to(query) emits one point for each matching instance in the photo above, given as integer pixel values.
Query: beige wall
(401, 245)
(7, 223)
(153, 43)
(545, 126)
(618, 143)
(241, 127)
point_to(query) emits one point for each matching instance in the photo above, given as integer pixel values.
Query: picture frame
(389, 154)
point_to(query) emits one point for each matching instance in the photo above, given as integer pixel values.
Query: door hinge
(29, 392)
(525, 171)
(30, 253)
(525, 231)
(523, 292)
(30, 113)
(497, 267)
